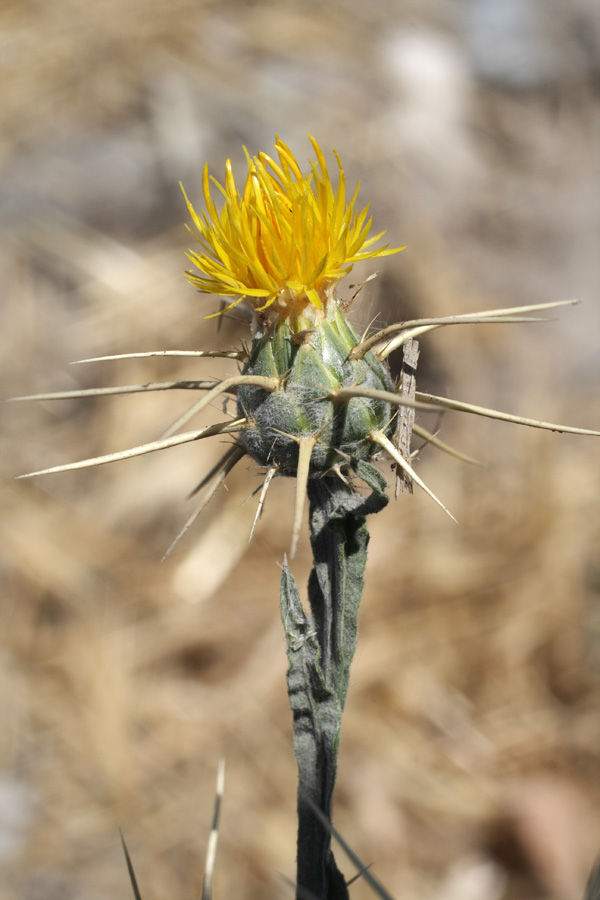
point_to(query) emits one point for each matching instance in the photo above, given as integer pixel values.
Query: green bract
(312, 363)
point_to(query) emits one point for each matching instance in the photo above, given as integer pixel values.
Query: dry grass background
(471, 752)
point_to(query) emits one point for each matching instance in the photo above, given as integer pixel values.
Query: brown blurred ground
(471, 749)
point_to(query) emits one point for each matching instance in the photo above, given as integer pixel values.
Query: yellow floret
(286, 240)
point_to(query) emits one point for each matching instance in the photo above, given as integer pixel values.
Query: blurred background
(470, 756)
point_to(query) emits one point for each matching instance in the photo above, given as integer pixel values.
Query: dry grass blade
(300, 893)
(233, 457)
(358, 875)
(592, 888)
(378, 437)
(132, 878)
(445, 403)
(211, 850)
(223, 387)
(121, 389)
(406, 414)
(193, 354)
(208, 431)
(364, 870)
(209, 475)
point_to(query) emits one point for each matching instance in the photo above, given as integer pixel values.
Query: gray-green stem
(320, 648)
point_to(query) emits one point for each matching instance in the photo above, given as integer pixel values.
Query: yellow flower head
(286, 240)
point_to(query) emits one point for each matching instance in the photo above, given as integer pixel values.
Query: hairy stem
(320, 648)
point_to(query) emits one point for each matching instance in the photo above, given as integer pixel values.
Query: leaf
(320, 648)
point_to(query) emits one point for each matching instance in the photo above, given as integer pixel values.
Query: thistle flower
(314, 399)
(285, 241)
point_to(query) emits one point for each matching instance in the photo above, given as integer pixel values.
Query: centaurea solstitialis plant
(315, 401)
